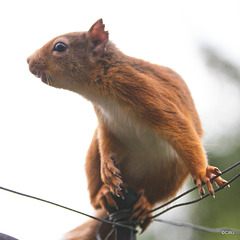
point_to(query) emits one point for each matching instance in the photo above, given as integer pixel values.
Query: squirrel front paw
(111, 176)
(205, 176)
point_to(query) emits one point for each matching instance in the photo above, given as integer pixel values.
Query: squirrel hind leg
(139, 204)
(141, 211)
(104, 198)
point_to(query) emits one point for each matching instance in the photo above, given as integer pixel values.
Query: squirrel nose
(28, 60)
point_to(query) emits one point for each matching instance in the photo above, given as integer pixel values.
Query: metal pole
(123, 215)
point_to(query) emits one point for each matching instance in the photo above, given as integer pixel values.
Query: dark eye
(60, 47)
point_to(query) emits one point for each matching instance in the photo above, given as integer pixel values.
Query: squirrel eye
(60, 47)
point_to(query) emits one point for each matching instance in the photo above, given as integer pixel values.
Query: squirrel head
(67, 61)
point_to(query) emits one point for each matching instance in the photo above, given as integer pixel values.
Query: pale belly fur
(145, 150)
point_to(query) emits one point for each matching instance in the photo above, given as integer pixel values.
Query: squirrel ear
(98, 37)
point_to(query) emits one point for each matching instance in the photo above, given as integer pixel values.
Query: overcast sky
(45, 132)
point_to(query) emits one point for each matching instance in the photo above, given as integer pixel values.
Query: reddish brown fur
(153, 97)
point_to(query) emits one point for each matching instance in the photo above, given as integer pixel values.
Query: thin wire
(126, 226)
(201, 228)
(110, 234)
(194, 201)
(67, 208)
(192, 189)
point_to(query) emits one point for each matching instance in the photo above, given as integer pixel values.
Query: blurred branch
(220, 64)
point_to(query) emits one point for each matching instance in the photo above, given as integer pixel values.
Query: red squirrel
(149, 133)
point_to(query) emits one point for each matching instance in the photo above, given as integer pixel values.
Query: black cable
(194, 201)
(130, 227)
(201, 228)
(98, 235)
(67, 208)
(194, 188)
(110, 234)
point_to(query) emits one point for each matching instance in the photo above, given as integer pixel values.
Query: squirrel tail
(88, 230)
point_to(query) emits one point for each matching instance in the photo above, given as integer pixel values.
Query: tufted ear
(98, 37)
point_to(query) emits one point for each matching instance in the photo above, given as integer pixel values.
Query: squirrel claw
(205, 177)
(141, 212)
(105, 198)
(217, 171)
(111, 176)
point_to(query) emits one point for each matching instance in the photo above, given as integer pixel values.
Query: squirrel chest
(141, 146)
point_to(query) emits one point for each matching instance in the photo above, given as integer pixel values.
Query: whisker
(49, 81)
(34, 67)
